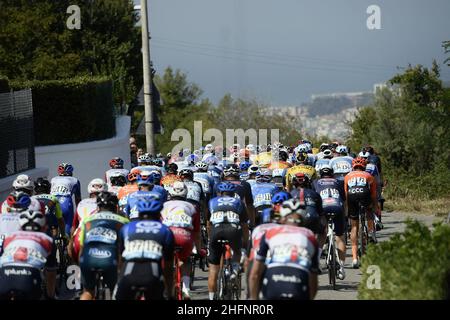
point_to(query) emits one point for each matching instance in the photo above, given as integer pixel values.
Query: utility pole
(149, 135)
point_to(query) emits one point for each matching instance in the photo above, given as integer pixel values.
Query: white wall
(89, 159)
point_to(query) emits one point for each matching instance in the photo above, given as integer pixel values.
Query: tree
(446, 45)
(37, 45)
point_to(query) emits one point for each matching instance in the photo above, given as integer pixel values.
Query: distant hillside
(329, 104)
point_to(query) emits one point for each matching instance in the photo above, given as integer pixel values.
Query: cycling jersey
(182, 214)
(341, 165)
(126, 190)
(262, 194)
(360, 187)
(291, 246)
(332, 193)
(85, 208)
(168, 180)
(279, 165)
(206, 182)
(53, 210)
(26, 249)
(257, 235)
(139, 169)
(278, 176)
(195, 192)
(226, 210)
(309, 171)
(130, 209)
(146, 239)
(243, 176)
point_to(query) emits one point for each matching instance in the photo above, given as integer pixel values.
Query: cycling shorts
(183, 239)
(338, 219)
(259, 214)
(67, 210)
(285, 283)
(224, 231)
(353, 209)
(98, 256)
(140, 274)
(24, 281)
(51, 264)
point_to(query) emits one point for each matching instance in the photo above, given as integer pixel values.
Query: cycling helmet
(209, 148)
(327, 154)
(293, 206)
(178, 189)
(32, 220)
(186, 173)
(107, 200)
(369, 149)
(18, 200)
(302, 148)
(226, 187)
(156, 176)
(324, 146)
(42, 186)
(300, 179)
(145, 178)
(65, 169)
(364, 154)
(231, 170)
(149, 206)
(253, 169)
(118, 181)
(264, 176)
(116, 163)
(158, 162)
(132, 176)
(359, 163)
(144, 158)
(202, 166)
(302, 158)
(281, 197)
(244, 165)
(283, 155)
(172, 168)
(96, 186)
(342, 149)
(23, 182)
(326, 170)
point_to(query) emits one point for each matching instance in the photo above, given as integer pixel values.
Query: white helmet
(96, 186)
(327, 153)
(23, 182)
(341, 149)
(202, 165)
(364, 154)
(32, 220)
(253, 169)
(144, 158)
(209, 148)
(302, 148)
(178, 189)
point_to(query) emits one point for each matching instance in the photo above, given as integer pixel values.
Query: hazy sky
(282, 51)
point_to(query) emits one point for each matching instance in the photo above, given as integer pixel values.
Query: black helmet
(42, 186)
(172, 168)
(107, 200)
(231, 170)
(326, 170)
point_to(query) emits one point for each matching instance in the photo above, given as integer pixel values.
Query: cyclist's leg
(50, 273)
(68, 211)
(184, 239)
(339, 224)
(88, 279)
(353, 213)
(214, 257)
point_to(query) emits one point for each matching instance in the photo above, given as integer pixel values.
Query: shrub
(71, 110)
(414, 265)
(4, 84)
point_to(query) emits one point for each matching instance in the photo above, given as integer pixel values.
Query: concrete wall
(89, 159)
(6, 183)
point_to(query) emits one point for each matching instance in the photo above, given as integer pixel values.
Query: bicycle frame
(363, 230)
(100, 286)
(332, 253)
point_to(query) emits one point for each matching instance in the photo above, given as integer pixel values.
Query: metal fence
(16, 132)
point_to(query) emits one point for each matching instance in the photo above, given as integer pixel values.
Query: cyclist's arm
(258, 269)
(373, 191)
(59, 217)
(77, 193)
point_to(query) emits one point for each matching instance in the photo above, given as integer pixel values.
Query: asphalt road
(394, 222)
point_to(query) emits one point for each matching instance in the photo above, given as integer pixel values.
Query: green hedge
(414, 265)
(71, 110)
(4, 84)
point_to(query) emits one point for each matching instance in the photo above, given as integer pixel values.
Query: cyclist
(302, 166)
(243, 190)
(23, 183)
(117, 170)
(170, 177)
(291, 271)
(227, 221)
(322, 148)
(195, 191)
(262, 192)
(88, 206)
(253, 170)
(117, 181)
(146, 189)
(282, 160)
(25, 254)
(243, 167)
(99, 244)
(183, 219)
(342, 163)
(147, 250)
(360, 187)
(332, 193)
(55, 226)
(201, 176)
(64, 187)
(325, 160)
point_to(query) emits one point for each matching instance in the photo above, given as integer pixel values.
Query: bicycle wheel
(221, 287)
(362, 238)
(236, 295)
(332, 265)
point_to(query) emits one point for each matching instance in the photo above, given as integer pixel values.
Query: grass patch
(438, 207)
